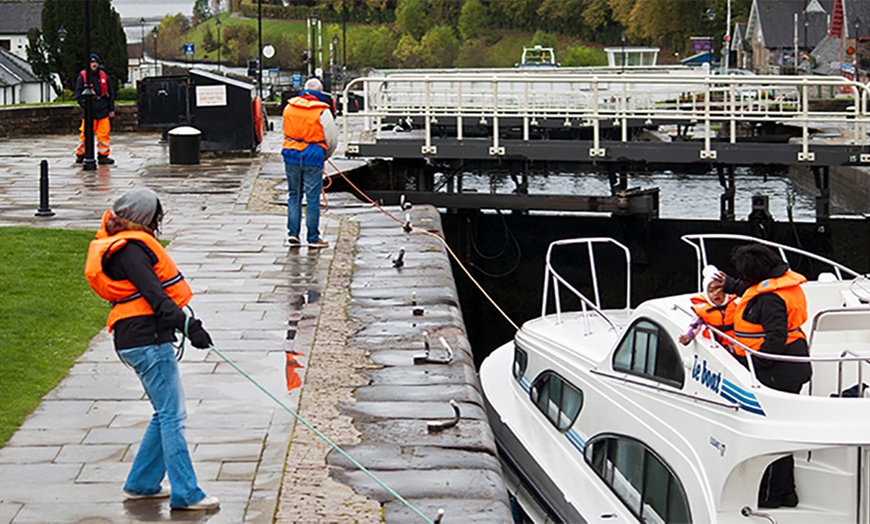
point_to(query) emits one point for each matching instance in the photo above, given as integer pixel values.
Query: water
(680, 196)
(132, 11)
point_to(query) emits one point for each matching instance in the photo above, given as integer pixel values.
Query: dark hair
(754, 262)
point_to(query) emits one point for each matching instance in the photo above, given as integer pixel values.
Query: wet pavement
(349, 317)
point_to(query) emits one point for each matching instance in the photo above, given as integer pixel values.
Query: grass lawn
(48, 313)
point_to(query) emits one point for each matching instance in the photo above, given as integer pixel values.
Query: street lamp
(155, 32)
(142, 27)
(218, 24)
(89, 163)
(623, 37)
(857, 48)
(260, 49)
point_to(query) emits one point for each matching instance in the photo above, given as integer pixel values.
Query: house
(739, 48)
(16, 18)
(780, 31)
(18, 84)
(847, 42)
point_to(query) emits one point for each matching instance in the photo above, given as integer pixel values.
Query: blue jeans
(307, 179)
(164, 448)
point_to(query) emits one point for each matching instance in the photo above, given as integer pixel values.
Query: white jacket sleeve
(330, 132)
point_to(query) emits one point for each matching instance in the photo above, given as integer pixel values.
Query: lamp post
(711, 15)
(89, 163)
(623, 37)
(218, 24)
(155, 32)
(260, 49)
(857, 49)
(61, 36)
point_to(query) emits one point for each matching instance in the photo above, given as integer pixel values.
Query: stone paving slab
(259, 298)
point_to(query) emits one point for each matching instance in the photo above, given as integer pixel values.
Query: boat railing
(555, 281)
(700, 243)
(847, 355)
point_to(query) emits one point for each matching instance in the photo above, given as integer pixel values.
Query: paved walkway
(258, 299)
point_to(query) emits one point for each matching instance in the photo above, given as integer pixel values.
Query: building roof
(14, 70)
(18, 17)
(826, 56)
(775, 19)
(857, 10)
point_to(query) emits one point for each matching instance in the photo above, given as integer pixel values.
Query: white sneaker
(204, 504)
(162, 494)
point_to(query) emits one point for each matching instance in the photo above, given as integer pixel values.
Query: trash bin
(184, 145)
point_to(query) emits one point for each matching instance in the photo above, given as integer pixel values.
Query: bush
(126, 93)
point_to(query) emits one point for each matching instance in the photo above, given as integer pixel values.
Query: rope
(314, 430)
(433, 235)
(323, 437)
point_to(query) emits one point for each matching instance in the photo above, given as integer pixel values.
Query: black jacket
(104, 102)
(769, 310)
(135, 262)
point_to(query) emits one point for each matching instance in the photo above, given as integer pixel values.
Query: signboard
(188, 48)
(702, 44)
(211, 96)
(847, 68)
(296, 80)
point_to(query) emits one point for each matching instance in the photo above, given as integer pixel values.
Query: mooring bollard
(44, 208)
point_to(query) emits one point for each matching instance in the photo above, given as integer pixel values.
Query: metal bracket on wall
(806, 157)
(429, 150)
(708, 155)
(496, 151)
(600, 151)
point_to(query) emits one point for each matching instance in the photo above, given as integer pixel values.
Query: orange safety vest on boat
(125, 298)
(302, 123)
(719, 317)
(788, 288)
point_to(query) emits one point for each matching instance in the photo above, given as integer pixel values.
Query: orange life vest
(719, 317)
(788, 288)
(302, 123)
(122, 294)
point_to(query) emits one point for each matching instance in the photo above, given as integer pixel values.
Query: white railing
(553, 279)
(590, 99)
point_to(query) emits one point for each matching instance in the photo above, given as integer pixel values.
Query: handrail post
(459, 110)
(624, 110)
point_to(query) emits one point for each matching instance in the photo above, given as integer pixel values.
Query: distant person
(104, 109)
(310, 137)
(127, 266)
(768, 319)
(715, 309)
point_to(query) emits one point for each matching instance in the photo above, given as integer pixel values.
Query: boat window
(521, 360)
(639, 478)
(558, 400)
(647, 350)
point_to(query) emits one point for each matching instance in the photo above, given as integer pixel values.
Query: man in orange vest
(127, 266)
(310, 137)
(104, 109)
(769, 316)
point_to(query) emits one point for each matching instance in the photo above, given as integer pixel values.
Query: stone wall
(17, 122)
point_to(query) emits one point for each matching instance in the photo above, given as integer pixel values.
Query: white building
(18, 84)
(16, 18)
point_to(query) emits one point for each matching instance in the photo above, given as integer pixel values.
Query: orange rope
(440, 239)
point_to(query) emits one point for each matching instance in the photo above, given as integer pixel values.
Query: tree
(544, 39)
(370, 46)
(37, 57)
(411, 18)
(407, 52)
(70, 56)
(439, 47)
(580, 56)
(472, 19)
(201, 11)
(444, 12)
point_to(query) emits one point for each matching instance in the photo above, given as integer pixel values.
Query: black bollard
(44, 209)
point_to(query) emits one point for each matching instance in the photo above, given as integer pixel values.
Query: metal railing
(592, 99)
(554, 279)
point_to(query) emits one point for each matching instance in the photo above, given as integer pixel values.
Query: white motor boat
(601, 416)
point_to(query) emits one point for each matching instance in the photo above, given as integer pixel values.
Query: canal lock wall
(396, 305)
